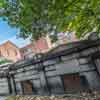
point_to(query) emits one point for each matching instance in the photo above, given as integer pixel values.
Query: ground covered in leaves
(82, 96)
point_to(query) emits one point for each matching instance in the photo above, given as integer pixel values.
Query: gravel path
(82, 96)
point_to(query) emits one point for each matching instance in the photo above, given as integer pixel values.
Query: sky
(9, 33)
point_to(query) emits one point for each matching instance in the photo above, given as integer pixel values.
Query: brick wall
(10, 51)
(41, 45)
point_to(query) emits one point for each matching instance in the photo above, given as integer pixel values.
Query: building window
(0, 53)
(7, 52)
(15, 52)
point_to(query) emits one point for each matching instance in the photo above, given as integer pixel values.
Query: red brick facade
(39, 46)
(10, 51)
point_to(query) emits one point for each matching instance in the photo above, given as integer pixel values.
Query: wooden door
(27, 87)
(72, 83)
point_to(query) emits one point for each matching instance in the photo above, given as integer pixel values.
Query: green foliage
(4, 61)
(37, 18)
(1, 3)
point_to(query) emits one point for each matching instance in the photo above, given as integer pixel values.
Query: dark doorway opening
(84, 84)
(27, 87)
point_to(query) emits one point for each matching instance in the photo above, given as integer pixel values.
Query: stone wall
(46, 75)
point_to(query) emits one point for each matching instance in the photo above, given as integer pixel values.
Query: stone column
(44, 84)
(41, 70)
(13, 85)
(9, 85)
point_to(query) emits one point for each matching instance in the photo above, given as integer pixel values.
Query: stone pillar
(13, 85)
(9, 85)
(41, 70)
(44, 84)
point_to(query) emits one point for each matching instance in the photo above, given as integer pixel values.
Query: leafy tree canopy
(37, 18)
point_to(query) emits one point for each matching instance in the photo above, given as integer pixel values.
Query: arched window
(0, 53)
(7, 52)
(15, 52)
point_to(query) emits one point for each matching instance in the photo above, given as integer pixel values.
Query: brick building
(42, 45)
(10, 51)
